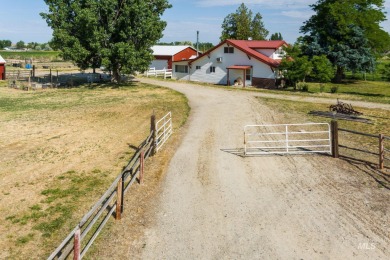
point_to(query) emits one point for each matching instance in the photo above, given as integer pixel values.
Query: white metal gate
(287, 139)
(163, 130)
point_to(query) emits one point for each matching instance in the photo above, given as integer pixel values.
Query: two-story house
(240, 62)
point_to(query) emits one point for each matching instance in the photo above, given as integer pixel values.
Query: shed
(2, 68)
(165, 55)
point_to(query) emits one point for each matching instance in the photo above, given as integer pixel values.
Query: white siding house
(233, 61)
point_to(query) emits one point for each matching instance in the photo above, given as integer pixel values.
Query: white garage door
(159, 64)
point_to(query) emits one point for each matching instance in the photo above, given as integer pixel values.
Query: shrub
(334, 89)
(302, 86)
(322, 87)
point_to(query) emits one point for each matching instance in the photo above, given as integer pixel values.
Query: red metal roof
(249, 47)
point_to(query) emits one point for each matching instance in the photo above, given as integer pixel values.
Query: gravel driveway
(216, 204)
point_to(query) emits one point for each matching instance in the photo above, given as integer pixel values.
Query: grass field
(61, 149)
(43, 56)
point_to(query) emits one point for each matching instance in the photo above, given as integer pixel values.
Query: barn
(2, 68)
(165, 55)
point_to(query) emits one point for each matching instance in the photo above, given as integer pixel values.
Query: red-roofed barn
(164, 55)
(250, 63)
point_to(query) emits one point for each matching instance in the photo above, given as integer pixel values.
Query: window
(198, 67)
(181, 68)
(228, 50)
(279, 51)
(248, 74)
(212, 69)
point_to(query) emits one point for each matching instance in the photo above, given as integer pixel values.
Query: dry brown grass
(60, 149)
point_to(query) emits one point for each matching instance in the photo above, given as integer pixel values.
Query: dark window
(228, 50)
(212, 69)
(248, 74)
(181, 68)
(198, 67)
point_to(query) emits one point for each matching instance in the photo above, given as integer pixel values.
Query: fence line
(80, 239)
(166, 73)
(383, 153)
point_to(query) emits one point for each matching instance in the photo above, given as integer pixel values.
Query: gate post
(335, 139)
(77, 245)
(381, 151)
(119, 197)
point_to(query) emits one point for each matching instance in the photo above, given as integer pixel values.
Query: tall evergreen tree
(117, 34)
(347, 32)
(241, 25)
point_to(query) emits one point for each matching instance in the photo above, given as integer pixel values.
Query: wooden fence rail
(382, 153)
(84, 234)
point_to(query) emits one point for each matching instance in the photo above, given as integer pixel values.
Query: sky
(20, 19)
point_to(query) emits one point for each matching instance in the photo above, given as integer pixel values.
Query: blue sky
(20, 20)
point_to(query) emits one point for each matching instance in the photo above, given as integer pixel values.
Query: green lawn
(35, 55)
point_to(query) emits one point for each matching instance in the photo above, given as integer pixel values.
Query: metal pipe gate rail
(287, 139)
(163, 130)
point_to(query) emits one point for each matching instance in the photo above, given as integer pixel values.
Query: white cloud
(298, 14)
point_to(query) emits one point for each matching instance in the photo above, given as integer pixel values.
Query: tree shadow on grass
(364, 94)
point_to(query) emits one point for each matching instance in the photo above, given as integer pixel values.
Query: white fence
(287, 139)
(163, 130)
(165, 73)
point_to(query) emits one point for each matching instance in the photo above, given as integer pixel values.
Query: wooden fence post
(77, 245)
(335, 139)
(119, 191)
(153, 130)
(381, 151)
(141, 173)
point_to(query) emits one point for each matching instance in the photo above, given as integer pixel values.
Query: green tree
(295, 67)
(20, 45)
(347, 32)
(204, 46)
(241, 25)
(117, 34)
(5, 43)
(322, 69)
(32, 45)
(276, 36)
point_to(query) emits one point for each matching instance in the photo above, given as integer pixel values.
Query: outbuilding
(165, 55)
(2, 68)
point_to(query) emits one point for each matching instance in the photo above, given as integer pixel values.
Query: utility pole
(197, 43)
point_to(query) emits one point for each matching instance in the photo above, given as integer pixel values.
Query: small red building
(2, 68)
(165, 55)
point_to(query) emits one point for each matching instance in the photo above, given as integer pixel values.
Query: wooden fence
(165, 73)
(380, 152)
(110, 204)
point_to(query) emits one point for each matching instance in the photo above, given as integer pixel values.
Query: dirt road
(218, 205)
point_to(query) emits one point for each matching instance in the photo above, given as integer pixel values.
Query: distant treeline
(20, 45)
